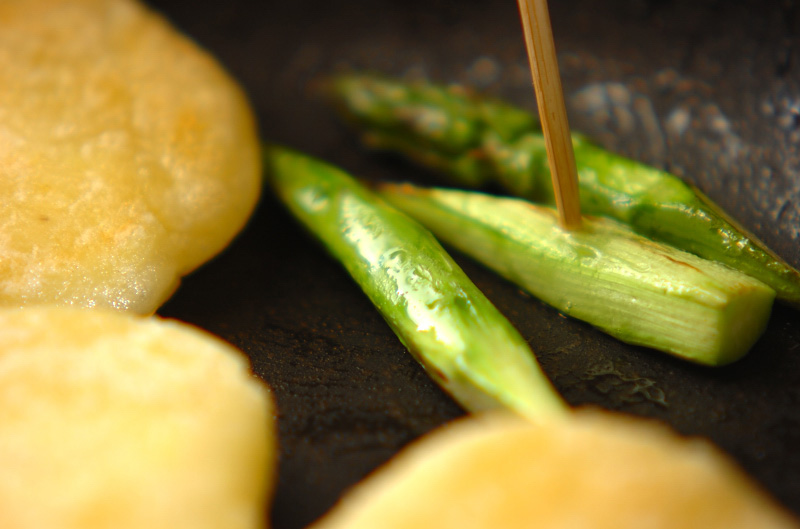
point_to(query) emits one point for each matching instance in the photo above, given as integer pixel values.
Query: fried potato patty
(110, 420)
(596, 470)
(128, 156)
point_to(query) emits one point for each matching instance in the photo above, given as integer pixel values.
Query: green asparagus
(477, 141)
(637, 290)
(441, 317)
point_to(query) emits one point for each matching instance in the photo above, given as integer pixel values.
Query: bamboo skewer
(552, 111)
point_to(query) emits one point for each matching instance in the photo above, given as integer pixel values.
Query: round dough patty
(128, 157)
(110, 420)
(597, 470)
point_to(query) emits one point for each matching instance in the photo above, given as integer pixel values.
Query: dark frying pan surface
(707, 89)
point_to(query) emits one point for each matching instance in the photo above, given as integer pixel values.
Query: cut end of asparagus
(639, 291)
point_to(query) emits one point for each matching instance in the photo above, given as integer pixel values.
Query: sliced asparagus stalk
(476, 141)
(641, 292)
(458, 336)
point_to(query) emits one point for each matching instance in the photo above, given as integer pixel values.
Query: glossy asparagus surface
(458, 336)
(477, 141)
(639, 291)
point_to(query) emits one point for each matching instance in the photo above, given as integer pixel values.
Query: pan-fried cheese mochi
(594, 470)
(110, 420)
(128, 156)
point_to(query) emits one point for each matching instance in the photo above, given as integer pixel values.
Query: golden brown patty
(128, 157)
(595, 470)
(114, 421)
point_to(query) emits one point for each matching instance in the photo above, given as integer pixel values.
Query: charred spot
(436, 373)
(682, 263)
(431, 369)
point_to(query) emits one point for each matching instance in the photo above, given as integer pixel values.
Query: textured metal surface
(710, 90)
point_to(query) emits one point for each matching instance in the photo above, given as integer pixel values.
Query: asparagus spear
(441, 317)
(639, 291)
(476, 141)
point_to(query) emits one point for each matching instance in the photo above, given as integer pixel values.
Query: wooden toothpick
(552, 111)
